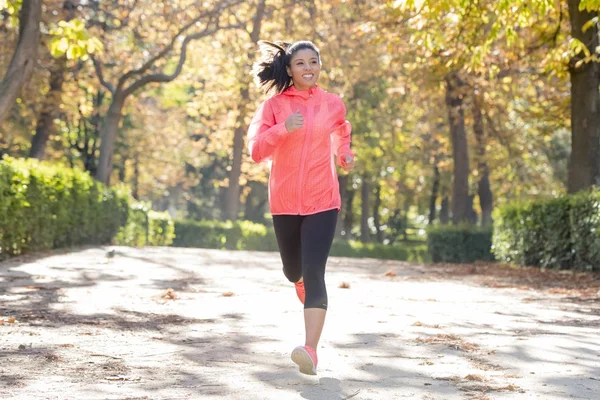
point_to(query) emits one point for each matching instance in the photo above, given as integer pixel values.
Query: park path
(170, 323)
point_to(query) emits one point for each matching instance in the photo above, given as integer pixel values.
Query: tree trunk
(349, 215)
(434, 192)
(256, 200)
(445, 211)
(122, 169)
(342, 182)
(233, 191)
(24, 58)
(584, 164)
(232, 204)
(364, 210)
(376, 207)
(108, 133)
(52, 100)
(136, 79)
(484, 191)
(50, 108)
(136, 177)
(460, 154)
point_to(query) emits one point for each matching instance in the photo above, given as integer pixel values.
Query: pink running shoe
(306, 358)
(300, 291)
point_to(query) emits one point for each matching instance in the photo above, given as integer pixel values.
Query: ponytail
(271, 71)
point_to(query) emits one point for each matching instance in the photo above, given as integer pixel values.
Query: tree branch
(98, 68)
(161, 77)
(211, 15)
(110, 16)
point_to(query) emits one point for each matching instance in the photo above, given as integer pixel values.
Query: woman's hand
(294, 122)
(348, 163)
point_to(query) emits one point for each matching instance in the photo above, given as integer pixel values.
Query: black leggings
(304, 243)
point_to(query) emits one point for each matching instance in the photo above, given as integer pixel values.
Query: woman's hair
(271, 70)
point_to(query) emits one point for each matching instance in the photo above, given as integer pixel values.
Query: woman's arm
(264, 133)
(341, 134)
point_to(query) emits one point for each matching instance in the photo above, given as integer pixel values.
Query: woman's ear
(289, 71)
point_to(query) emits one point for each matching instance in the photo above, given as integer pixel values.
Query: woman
(299, 130)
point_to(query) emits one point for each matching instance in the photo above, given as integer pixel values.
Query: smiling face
(304, 69)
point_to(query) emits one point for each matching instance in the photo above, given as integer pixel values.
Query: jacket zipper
(304, 147)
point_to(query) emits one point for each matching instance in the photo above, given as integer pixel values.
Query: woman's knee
(316, 294)
(292, 275)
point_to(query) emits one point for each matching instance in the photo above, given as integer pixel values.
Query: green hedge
(246, 235)
(416, 252)
(239, 235)
(459, 244)
(45, 206)
(146, 228)
(557, 233)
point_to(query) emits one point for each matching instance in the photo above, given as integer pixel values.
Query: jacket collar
(305, 94)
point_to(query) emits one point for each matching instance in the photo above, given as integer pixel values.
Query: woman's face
(304, 69)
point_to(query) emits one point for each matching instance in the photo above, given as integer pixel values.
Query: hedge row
(246, 235)
(45, 206)
(239, 235)
(557, 233)
(146, 228)
(403, 251)
(459, 244)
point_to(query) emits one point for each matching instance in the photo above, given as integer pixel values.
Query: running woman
(299, 130)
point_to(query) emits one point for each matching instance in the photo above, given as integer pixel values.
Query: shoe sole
(303, 360)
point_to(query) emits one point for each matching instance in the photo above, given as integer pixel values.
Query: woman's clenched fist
(294, 122)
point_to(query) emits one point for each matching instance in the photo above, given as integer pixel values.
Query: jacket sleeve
(341, 134)
(264, 134)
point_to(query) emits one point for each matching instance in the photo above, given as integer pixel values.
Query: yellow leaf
(592, 22)
(62, 45)
(71, 53)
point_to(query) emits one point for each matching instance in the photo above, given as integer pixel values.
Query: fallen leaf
(122, 378)
(344, 285)
(170, 295)
(228, 294)
(473, 377)
(390, 273)
(12, 320)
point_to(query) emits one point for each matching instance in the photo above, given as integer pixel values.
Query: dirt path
(165, 323)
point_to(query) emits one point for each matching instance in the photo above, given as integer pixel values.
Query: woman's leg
(317, 232)
(287, 232)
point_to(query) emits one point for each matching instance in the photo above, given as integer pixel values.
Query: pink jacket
(303, 178)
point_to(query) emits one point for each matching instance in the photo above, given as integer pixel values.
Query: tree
(584, 68)
(486, 199)
(154, 70)
(461, 204)
(233, 191)
(70, 42)
(24, 59)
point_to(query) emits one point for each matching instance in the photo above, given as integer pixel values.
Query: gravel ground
(169, 323)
